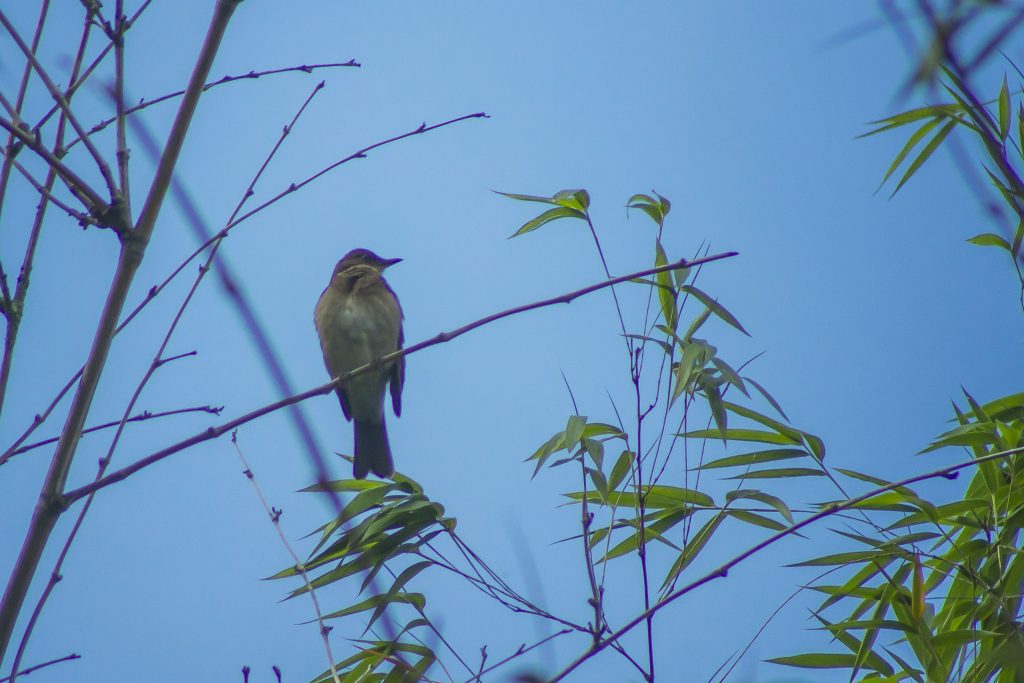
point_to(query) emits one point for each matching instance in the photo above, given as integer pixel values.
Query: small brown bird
(359, 319)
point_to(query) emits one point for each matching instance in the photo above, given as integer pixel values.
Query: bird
(359, 319)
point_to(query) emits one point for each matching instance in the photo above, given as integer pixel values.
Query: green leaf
(693, 548)
(795, 435)
(988, 239)
(913, 115)
(621, 469)
(715, 307)
(757, 435)
(574, 430)
(782, 473)
(761, 496)
(415, 599)
(730, 374)
(526, 197)
(932, 145)
(1004, 110)
(757, 520)
(817, 661)
(656, 209)
(573, 199)
(755, 458)
(595, 449)
(666, 294)
(768, 397)
(714, 396)
(842, 559)
(547, 217)
(697, 323)
(910, 144)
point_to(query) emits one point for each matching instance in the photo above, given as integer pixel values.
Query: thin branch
(36, 667)
(139, 417)
(58, 97)
(122, 154)
(144, 104)
(361, 154)
(44, 191)
(5, 171)
(95, 204)
(78, 82)
(827, 511)
(522, 650)
(214, 432)
(275, 519)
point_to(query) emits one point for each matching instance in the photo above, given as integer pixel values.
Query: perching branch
(214, 432)
(154, 291)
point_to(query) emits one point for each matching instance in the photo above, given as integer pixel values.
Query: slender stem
(122, 154)
(5, 169)
(275, 518)
(251, 75)
(36, 667)
(139, 417)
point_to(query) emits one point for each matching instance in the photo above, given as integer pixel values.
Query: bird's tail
(373, 454)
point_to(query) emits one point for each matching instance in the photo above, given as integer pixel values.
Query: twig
(275, 519)
(520, 651)
(214, 432)
(36, 667)
(96, 205)
(58, 97)
(5, 171)
(143, 104)
(723, 570)
(140, 417)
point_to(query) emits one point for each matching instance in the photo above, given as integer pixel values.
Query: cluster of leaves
(383, 522)
(693, 369)
(935, 594)
(992, 128)
(943, 580)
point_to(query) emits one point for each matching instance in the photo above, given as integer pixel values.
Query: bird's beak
(391, 261)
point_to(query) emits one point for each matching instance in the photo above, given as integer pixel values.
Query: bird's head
(365, 257)
(360, 262)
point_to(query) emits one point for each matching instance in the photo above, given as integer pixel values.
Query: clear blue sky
(873, 312)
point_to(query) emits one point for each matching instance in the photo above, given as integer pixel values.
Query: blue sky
(872, 312)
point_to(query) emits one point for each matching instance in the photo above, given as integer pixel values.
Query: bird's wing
(398, 377)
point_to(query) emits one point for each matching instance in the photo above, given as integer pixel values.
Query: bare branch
(36, 667)
(59, 98)
(139, 417)
(143, 104)
(95, 204)
(133, 247)
(275, 519)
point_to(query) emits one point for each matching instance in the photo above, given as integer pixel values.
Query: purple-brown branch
(214, 432)
(723, 570)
